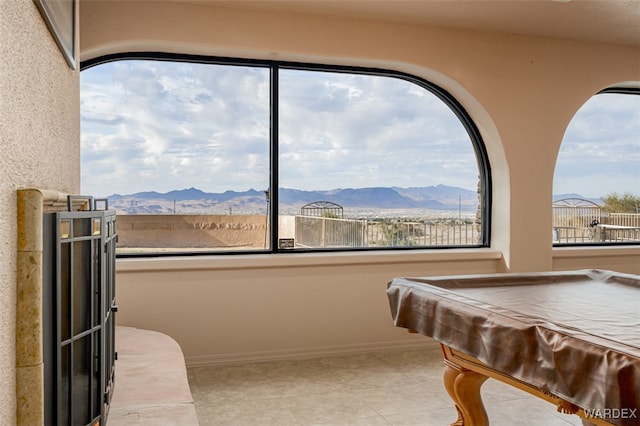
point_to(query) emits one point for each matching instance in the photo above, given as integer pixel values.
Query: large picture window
(216, 155)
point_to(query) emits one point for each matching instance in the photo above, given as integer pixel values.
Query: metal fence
(573, 235)
(617, 233)
(623, 219)
(581, 227)
(326, 232)
(579, 221)
(421, 234)
(575, 213)
(322, 232)
(601, 233)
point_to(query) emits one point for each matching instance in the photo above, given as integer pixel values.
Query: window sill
(303, 259)
(600, 251)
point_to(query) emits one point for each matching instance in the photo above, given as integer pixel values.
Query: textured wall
(39, 147)
(192, 231)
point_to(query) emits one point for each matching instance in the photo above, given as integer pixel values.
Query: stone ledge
(151, 385)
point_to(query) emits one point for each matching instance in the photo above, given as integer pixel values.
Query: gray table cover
(574, 334)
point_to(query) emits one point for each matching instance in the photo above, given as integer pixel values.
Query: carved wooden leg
(467, 387)
(463, 387)
(450, 374)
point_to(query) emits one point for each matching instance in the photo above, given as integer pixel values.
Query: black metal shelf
(78, 315)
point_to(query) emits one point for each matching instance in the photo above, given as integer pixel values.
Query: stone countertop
(151, 385)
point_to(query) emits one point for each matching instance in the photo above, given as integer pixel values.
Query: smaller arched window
(598, 170)
(218, 155)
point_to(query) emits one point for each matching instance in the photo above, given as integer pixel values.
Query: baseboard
(300, 353)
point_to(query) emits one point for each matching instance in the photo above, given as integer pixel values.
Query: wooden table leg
(450, 374)
(463, 386)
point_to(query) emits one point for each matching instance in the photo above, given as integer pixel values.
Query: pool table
(571, 338)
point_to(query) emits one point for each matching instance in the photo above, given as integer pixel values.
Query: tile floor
(401, 387)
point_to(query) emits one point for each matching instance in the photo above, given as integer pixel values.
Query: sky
(600, 151)
(162, 126)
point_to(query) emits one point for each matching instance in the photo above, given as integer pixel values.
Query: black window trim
(274, 66)
(620, 90)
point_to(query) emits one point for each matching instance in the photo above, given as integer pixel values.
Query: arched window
(598, 167)
(201, 154)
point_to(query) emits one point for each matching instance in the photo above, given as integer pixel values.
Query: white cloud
(600, 152)
(160, 126)
(408, 140)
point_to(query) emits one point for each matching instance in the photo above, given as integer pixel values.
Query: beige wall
(192, 231)
(277, 306)
(39, 134)
(521, 91)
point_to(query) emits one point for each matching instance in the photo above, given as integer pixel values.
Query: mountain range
(193, 200)
(196, 201)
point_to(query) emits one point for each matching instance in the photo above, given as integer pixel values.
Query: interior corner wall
(39, 147)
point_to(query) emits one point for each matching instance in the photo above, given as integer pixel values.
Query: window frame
(622, 90)
(274, 66)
